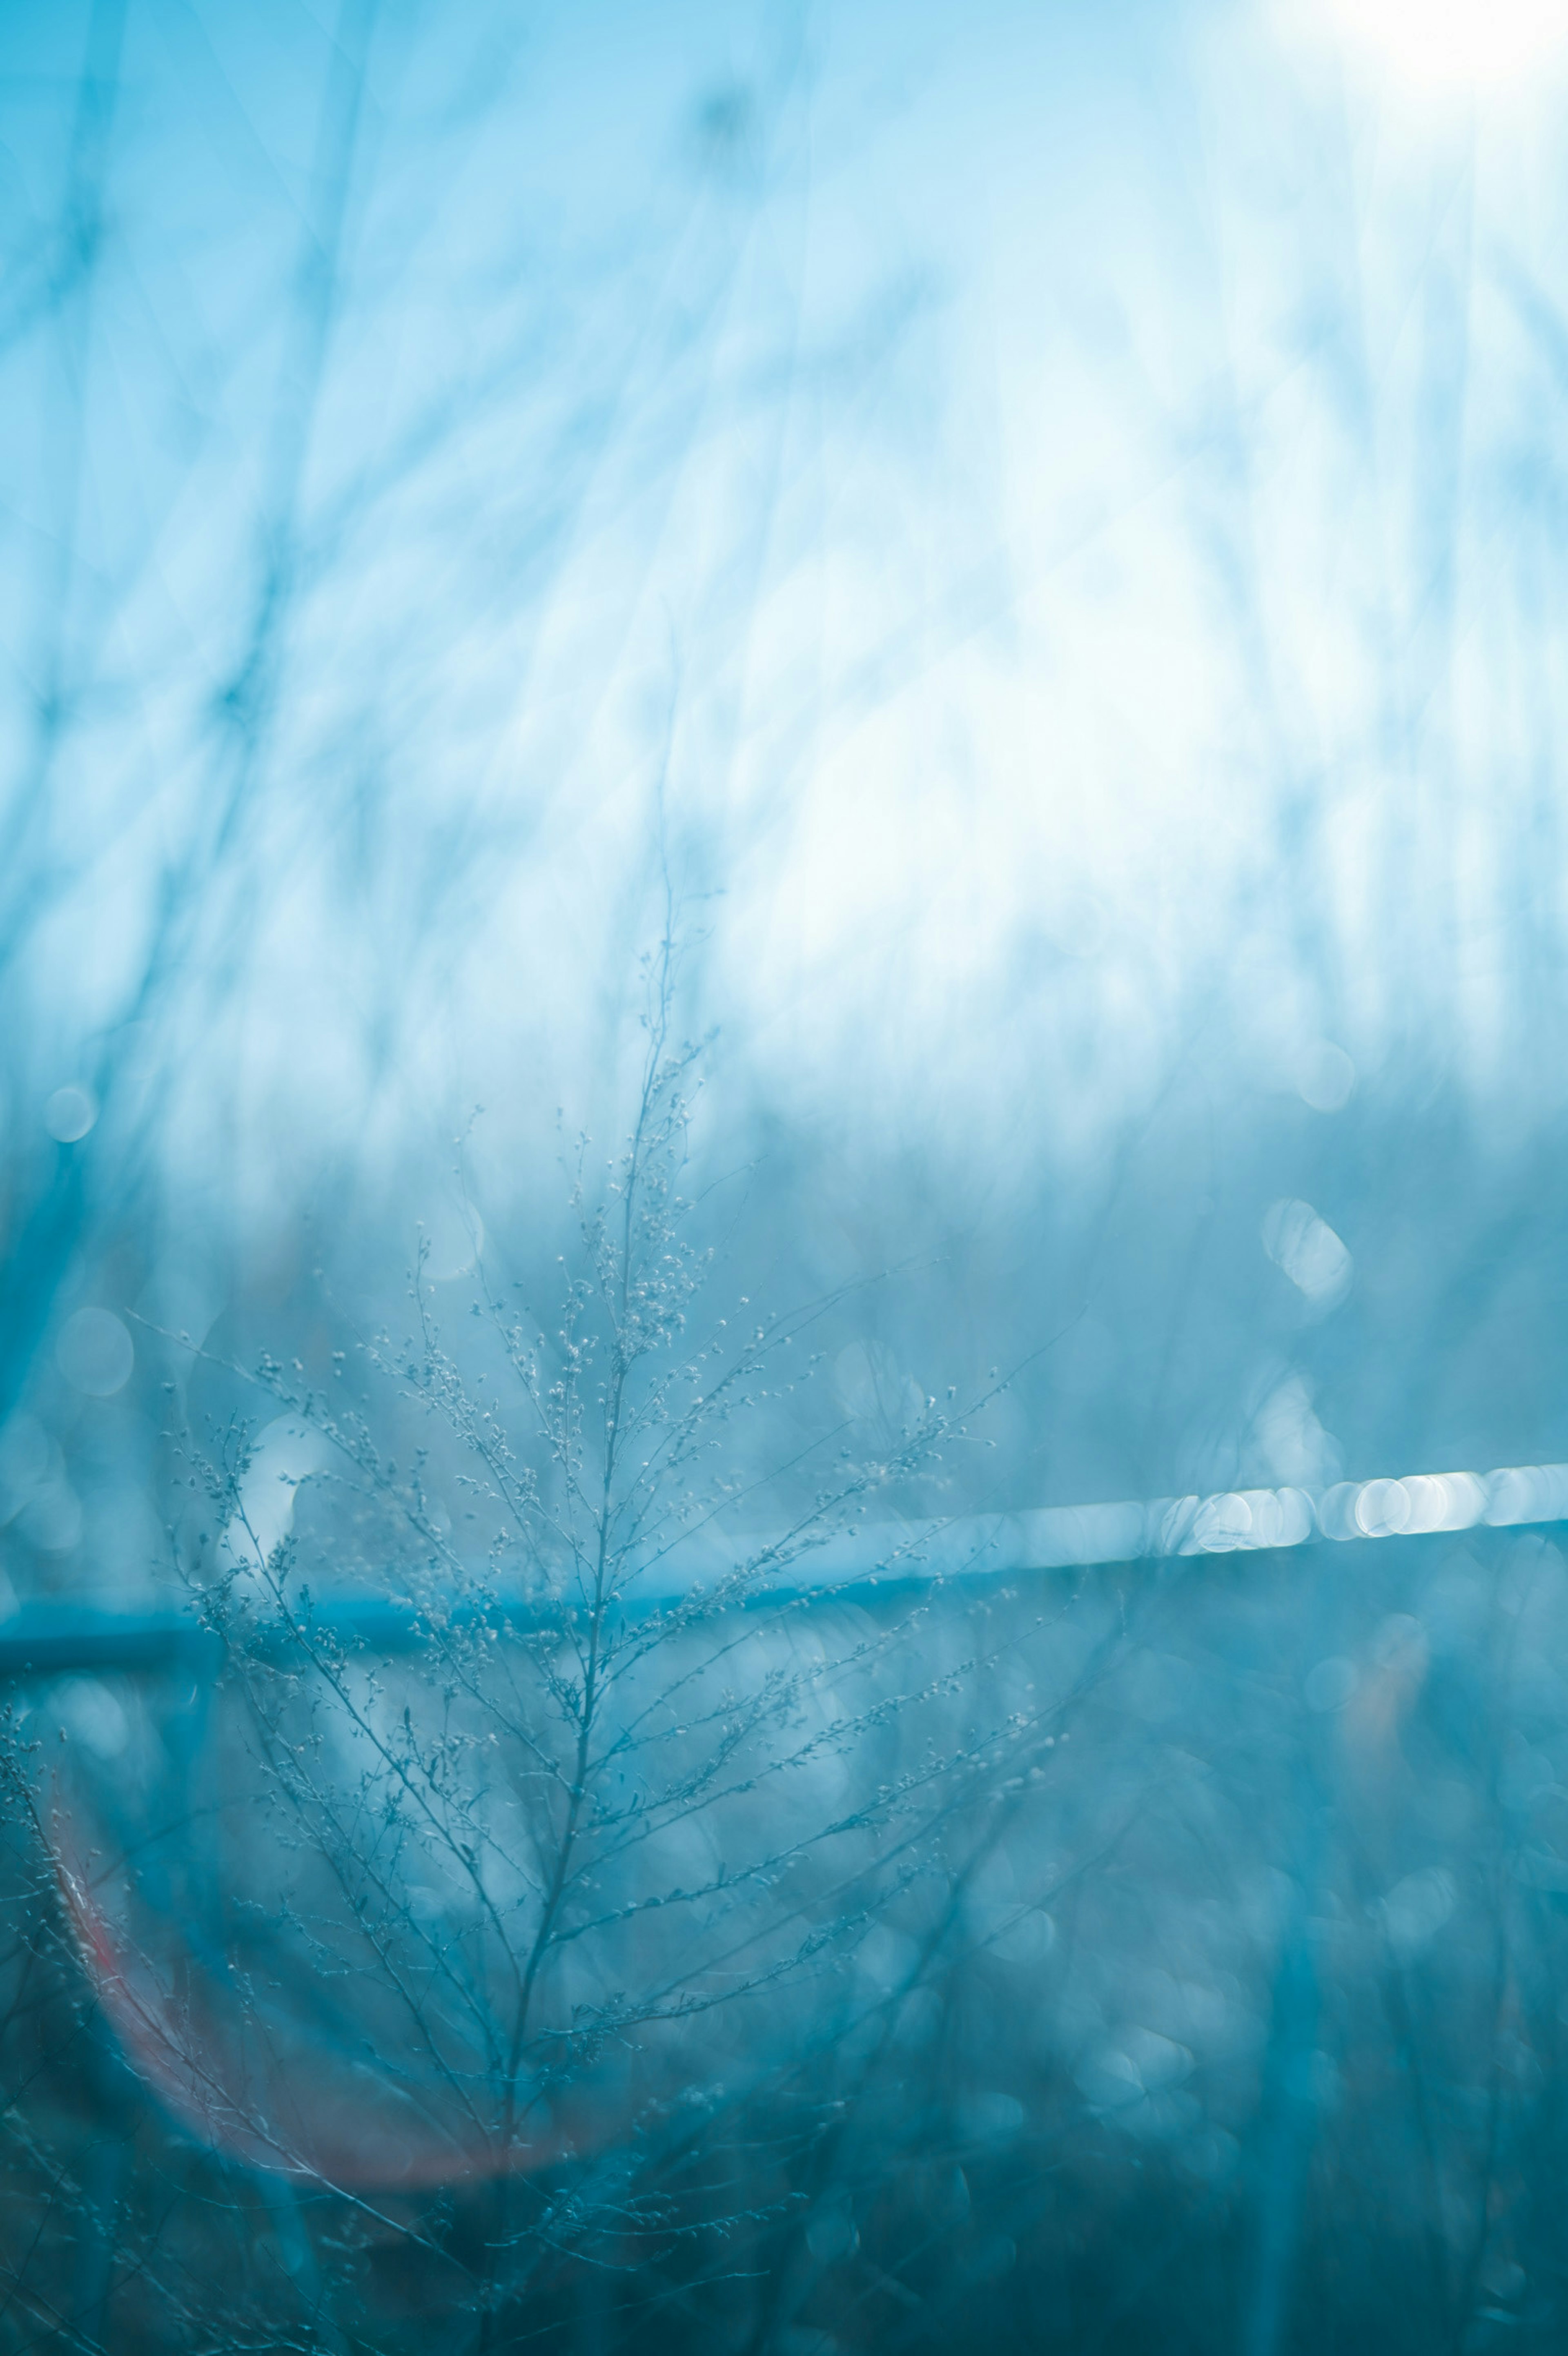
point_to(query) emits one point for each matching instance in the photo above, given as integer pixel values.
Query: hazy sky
(1067, 502)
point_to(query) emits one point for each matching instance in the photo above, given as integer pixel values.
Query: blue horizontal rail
(59, 1637)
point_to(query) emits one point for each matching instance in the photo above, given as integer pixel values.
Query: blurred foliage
(1043, 536)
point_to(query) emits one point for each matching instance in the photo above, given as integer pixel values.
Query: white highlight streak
(1069, 1537)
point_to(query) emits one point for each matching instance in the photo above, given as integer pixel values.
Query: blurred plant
(503, 1883)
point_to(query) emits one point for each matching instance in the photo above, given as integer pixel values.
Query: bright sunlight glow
(1456, 43)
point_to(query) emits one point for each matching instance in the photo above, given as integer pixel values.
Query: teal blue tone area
(783, 1269)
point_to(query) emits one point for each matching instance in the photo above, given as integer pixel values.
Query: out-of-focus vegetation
(1041, 540)
(1217, 1999)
